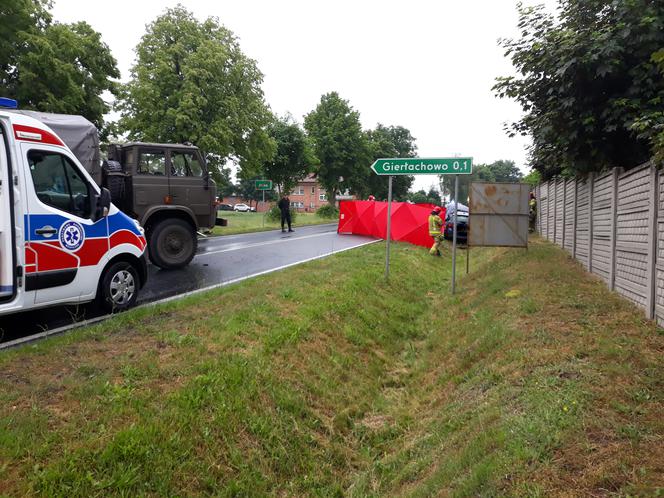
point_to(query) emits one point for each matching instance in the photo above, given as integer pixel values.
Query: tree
(339, 144)
(389, 141)
(533, 178)
(20, 20)
(192, 83)
(225, 186)
(434, 195)
(54, 67)
(586, 80)
(294, 157)
(650, 126)
(498, 171)
(421, 197)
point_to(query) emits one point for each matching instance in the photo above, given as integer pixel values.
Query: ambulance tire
(118, 287)
(172, 244)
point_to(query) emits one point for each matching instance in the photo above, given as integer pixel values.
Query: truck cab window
(152, 163)
(58, 183)
(185, 164)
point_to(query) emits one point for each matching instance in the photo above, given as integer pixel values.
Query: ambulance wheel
(119, 287)
(172, 244)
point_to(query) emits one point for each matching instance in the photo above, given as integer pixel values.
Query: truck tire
(116, 186)
(114, 180)
(118, 287)
(172, 244)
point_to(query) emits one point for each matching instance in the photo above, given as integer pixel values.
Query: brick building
(308, 195)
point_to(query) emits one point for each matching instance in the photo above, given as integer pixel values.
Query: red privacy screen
(410, 222)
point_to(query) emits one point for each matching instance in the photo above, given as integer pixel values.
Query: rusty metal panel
(498, 214)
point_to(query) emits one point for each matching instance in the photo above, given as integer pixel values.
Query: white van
(61, 239)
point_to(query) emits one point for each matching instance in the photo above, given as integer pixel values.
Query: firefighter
(435, 225)
(532, 211)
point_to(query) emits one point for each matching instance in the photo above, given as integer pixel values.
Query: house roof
(310, 178)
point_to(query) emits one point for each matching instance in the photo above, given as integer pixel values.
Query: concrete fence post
(551, 232)
(614, 227)
(549, 228)
(554, 233)
(651, 278)
(538, 221)
(591, 193)
(564, 213)
(575, 214)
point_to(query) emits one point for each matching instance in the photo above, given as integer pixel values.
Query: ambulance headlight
(140, 228)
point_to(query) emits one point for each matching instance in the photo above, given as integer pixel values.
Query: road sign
(263, 184)
(424, 166)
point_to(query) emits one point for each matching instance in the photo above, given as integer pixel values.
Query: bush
(328, 211)
(274, 215)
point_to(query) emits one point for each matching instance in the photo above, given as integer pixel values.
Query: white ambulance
(61, 239)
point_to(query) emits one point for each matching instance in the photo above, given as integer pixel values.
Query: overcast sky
(427, 65)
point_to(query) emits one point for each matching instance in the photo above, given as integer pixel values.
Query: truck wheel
(116, 186)
(172, 244)
(119, 287)
(115, 180)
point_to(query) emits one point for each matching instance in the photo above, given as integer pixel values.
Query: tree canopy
(422, 197)
(192, 83)
(54, 67)
(498, 171)
(294, 157)
(388, 141)
(339, 144)
(586, 81)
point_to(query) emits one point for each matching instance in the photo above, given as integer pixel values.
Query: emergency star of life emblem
(71, 235)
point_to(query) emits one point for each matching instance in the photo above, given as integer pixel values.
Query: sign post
(422, 166)
(263, 185)
(454, 231)
(389, 227)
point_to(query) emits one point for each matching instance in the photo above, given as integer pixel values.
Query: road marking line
(92, 321)
(267, 243)
(265, 232)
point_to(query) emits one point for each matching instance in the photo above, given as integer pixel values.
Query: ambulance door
(7, 238)
(65, 242)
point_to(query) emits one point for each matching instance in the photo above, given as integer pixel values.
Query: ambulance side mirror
(103, 203)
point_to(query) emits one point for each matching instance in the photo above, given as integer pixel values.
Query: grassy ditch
(253, 222)
(325, 380)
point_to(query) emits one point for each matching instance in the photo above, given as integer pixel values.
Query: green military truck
(166, 187)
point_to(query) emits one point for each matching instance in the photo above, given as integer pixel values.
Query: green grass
(253, 222)
(325, 380)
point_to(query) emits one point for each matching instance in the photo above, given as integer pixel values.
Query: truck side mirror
(103, 203)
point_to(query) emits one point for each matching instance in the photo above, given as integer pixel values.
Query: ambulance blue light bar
(8, 103)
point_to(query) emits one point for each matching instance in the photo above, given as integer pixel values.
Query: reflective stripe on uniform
(435, 224)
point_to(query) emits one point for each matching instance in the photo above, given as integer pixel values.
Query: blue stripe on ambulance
(118, 221)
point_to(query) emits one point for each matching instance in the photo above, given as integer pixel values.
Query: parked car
(462, 227)
(224, 207)
(242, 208)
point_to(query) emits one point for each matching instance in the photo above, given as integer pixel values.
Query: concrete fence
(613, 224)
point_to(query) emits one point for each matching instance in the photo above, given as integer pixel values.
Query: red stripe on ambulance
(51, 257)
(32, 134)
(127, 237)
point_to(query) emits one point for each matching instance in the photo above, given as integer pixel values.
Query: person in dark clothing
(284, 207)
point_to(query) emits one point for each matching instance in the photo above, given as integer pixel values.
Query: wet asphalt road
(218, 260)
